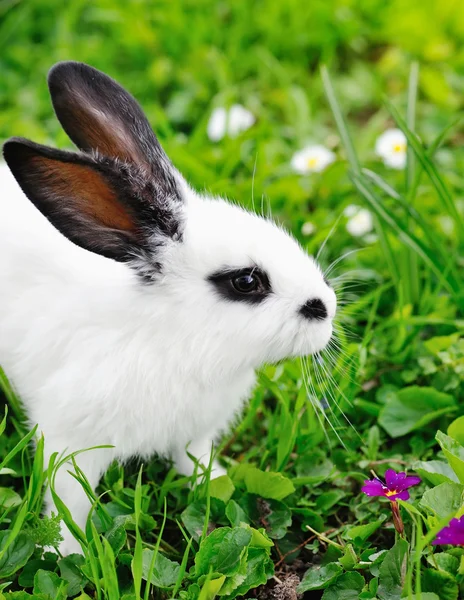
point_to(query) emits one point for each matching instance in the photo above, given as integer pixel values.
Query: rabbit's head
(222, 275)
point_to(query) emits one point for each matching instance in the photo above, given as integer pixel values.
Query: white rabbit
(137, 314)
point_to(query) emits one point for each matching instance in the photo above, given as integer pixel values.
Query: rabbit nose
(314, 309)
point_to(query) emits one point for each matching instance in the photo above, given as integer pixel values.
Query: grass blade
(340, 121)
(402, 231)
(428, 166)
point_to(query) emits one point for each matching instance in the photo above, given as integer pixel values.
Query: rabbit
(135, 311)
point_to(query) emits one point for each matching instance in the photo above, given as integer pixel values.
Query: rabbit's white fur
(98, 357)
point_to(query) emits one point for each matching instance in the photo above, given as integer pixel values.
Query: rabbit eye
(248, 285)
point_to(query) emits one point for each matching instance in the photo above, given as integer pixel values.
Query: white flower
(308, 228)
(240, 119)
(230, 122)
(217, 123)
(351, 210)
(360, 223)
(391, 147)
(312, 159)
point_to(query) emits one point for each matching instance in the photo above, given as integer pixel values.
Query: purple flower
(395, 487)
(453, 534)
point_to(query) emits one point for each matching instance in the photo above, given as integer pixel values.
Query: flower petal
(216, 128)
(392, 478)
(408, 482)
(312, 159)
(387, 141)
(453, 534)
(361, 223)
(373, 488)
(395, 161)
(240, 119)
(404, 495)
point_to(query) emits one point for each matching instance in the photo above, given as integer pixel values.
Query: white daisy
(391, 146)
(351, 210)
(240, 119)
(308, 228)
(217, 124)
(230, 122)
(360, 223)
(312, 159)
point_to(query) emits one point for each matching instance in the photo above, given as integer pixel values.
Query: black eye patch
(249, 284)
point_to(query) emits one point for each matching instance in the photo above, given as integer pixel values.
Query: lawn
(290, 517)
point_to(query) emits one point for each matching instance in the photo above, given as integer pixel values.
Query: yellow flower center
(312, 162)
(399, 148)
(391, 493)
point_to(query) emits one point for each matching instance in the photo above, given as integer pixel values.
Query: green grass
(336, 73)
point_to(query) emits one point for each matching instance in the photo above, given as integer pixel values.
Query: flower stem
(324, 538)
(397, 520)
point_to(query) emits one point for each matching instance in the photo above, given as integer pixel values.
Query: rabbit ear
(99, 115)
(97, 204)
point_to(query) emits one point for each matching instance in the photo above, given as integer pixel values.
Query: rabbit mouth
(312, 341)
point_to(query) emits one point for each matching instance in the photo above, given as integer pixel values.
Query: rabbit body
(137, 318)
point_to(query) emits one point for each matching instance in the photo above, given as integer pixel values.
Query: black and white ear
(99, 205)
(99, 115)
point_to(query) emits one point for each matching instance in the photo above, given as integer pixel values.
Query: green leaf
(24, 596)
(278, 519)
(312, 474)
(435, 471)
(444, 499)
(9, 498)
(347, 586)
(413, 407)
(349, 559)
(456, 430)
(328, 499)
(318, 578)
(17, 554)
(46, 582)
(454, 453)
(235, 514)
(211, 588)
(267, 484)
(222, 551)
(441, 583)
(288, 426)
(164, 573)
(70, 571)
(117, 537)
(259, 540)
(392, 571)
(222, 488)
(259, 568)
(445, 562)
(440, 343)
(193, 517)
(26, 578)
(232, 582)
(363, 531)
